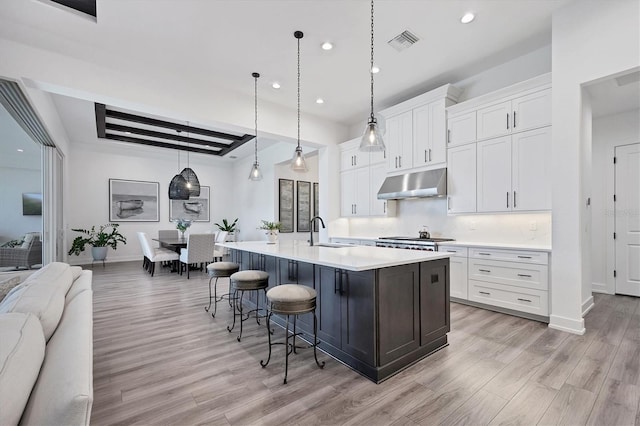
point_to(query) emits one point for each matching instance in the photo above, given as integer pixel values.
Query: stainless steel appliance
(411, 243)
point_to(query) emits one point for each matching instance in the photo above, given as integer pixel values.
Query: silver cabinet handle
(429, 154)
(524, 257)
(484, 270)
(514, 199)
(396, 162)
(452, 251)
(524, 275)
(524, 300)
(448, 135)
(400, 160)
(355, 208)
(425, 156)
(384, 154)
(485, 292)
(507, 121)
(355, 160)
(514, 119)
(384, 207)
(485, 254)
(448, 203)
(507, 199)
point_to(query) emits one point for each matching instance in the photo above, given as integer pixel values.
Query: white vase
(272, 236)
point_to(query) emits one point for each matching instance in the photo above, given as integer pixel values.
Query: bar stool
(220, 270)
(292, 299)
(249, 280)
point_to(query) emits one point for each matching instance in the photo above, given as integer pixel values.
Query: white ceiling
(220, 42)
(615, 95)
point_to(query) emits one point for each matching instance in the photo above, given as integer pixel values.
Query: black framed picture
(133, 201)
(303, 206)
(285, 200)
(195, 209)
(31, 204)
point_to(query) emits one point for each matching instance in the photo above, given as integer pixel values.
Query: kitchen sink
(331, 245)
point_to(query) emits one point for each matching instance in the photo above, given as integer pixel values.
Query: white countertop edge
(506, 246)
(352, 258)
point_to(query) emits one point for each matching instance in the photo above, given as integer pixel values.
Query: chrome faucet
(311, 226)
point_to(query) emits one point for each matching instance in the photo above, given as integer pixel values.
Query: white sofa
(46, 348)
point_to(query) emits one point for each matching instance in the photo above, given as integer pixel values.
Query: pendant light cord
(299, 91)
(371, 67)
(255, 76)
(188, 145)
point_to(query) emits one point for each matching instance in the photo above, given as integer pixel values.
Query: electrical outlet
(533, 225)
(472, 225)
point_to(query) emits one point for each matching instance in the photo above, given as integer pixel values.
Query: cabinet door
(437, 133)
(378, 173)
(400, 134)
(348, 158)
(362, 193)
(434, 300)
(531, 169)
(305, 276)
(347, 193)
(358, 314)
(399, 315)
(461, 129)
(532, 111)
(328, 307)
(376, 157)
(494, 175)
(421, 136)
(494, 120)
(459, 277)
(461, 179)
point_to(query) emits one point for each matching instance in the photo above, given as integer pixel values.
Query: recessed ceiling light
(275, 85)
(327, 45)
(375, 69)
(128, 133)
(468, 17)
(319, 101)
(20, 150)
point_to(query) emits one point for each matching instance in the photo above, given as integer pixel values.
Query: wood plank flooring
(159, 358)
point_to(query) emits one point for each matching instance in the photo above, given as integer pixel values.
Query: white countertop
(507, 246)
(352, 258)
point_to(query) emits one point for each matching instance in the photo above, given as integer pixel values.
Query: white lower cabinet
(458, 276)
(461, 179)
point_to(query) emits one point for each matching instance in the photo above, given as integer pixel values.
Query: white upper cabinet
(377, 175)
(355, 192)
(516, 115)
(461, 129)
(351, 157)
(416, 135)
(461, 179)
(531, 169)
(494, 175)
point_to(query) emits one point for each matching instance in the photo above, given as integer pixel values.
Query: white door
(461, 129)
(494, 120)
(627, 219)
(531, 111)
(362, 191)
(531, 170)
(461, 179)
(494, 175)
(347, 193)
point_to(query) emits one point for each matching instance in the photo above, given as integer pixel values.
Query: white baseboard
(587, 306)
(574, 326)
(600, 288)
(79, 261)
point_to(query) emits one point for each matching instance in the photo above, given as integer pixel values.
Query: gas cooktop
(434, 240)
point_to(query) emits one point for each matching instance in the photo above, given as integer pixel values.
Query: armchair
(26, 255)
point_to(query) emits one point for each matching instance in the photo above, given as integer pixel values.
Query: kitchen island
(379, 309)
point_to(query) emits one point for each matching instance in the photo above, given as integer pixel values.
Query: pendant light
(372, 139)
(178, 186)
(193, 184)
(255, 173)
(298, 163)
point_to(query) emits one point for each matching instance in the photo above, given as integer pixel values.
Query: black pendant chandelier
(193, 184)
(178, 186)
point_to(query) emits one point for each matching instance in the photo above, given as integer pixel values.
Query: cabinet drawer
(352, 242)
(519, 299)
(538, 257)
(510, 273)
(456, 251)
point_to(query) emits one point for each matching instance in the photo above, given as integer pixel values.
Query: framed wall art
(133, 201)
(195, 209)
(303, 206)
(285, 205)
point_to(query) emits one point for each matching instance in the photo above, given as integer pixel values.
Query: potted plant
(99, 240)
(229, 227)
(182, 225)
(272, 228)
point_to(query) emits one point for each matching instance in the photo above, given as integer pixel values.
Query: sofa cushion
(43, 295)
(83, 282)
(21, 354)
(63, 394)
(7, 284)
(75, 272)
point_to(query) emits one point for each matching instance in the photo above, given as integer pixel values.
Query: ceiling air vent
(403, 41)
(633, 77)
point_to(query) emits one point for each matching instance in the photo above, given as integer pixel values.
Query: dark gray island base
(379, 321)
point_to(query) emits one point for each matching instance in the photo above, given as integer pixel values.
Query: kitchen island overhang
(379, 310)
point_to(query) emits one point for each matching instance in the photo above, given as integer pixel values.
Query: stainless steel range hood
(430, 183)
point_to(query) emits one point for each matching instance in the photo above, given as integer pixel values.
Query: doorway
(627, 219)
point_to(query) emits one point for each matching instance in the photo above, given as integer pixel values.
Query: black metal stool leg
(209, 307)
(240, 312)
(230, 293)
(315, 340)
(269, 333)
(295, 322)
(286, 352)
(235, 301)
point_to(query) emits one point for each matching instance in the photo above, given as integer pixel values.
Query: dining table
(174, 244)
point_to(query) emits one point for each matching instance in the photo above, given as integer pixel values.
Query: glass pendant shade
(192, 182)
(178, 188)
(298, 163)
(255, 174)
(372, 138)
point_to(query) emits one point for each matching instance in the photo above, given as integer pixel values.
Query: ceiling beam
(161, 135)
(160, 144)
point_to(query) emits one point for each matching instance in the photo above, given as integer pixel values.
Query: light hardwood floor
(159, 358)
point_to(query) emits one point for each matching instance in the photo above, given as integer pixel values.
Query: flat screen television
(32, 204)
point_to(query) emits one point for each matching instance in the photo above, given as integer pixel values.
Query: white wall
(15, 181)
(591, 40)
(608, 132)
(91, 166)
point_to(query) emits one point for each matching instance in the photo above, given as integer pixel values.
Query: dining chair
(218, 253)
(199, 250)
(153, 255)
